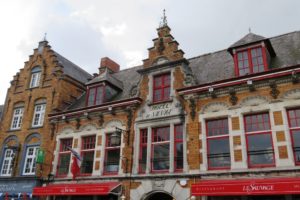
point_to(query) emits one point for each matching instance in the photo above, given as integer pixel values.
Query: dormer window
(161, 87)
(96, 95)
(251, 61)
(100, 94)
(35, 77)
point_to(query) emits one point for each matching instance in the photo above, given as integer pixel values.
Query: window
(160, 149)
(35, 77)
(294, 124)
(38, 116)
(17, 118)
(259, 140)
(8, 162)
(250, 61)
(87, 154)
(96, 95)
(64, 157)
(161, 87)
(30, 165)
(143, 150)
(178, 147)
(112, 157)
(218, 148)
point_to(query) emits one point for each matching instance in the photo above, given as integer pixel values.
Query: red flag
(76, 163)
(75, 168)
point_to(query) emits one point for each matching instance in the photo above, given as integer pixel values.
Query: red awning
(75, 189)
(270, 186)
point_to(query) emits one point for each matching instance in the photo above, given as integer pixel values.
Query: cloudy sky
(86, 30)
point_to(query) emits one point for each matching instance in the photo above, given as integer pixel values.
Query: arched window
(9, 151)
(35, 77)
(39, 113)
(16, 122)
(31, 148)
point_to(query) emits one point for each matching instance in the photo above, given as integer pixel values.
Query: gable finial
(45, 36)
(249, 29)
(164, 21)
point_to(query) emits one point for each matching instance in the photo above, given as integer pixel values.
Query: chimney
(108, 63)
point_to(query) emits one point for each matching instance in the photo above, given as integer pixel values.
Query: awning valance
(270, 186)
(75, 189)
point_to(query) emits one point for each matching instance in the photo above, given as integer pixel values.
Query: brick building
(223, 125)
(48, 82)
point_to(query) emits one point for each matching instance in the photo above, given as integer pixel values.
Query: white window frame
(38, 116)
(30, 160)
(7, 161)
(35, 79)
(16, 121)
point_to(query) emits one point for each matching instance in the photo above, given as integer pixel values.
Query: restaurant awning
(75, 189)
(270, 186)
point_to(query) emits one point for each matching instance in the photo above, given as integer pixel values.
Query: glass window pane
(87, 162)
(260, 149)
(218, 153)
(179, 156)
(112, 160)
(161, 156)
(63, 164)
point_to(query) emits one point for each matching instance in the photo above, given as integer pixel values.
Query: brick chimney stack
(107, 63)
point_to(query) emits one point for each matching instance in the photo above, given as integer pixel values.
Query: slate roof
(216, 66)
(73, 70)
(107, 76)
(219, 65)
(247, 39)
(1, 110)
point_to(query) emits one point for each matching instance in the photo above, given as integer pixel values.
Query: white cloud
(85, 31)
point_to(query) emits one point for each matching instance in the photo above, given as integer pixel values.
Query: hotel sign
(159, 110)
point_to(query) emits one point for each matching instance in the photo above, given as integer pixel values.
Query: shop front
(249, 189)
(17, 188)
(100, 191)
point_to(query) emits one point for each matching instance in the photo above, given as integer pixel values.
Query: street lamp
(115, 137)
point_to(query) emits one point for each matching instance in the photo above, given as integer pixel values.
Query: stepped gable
(1, 110)
(72, 70)
(165, 48)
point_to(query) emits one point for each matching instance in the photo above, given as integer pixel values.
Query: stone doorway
(160, 196)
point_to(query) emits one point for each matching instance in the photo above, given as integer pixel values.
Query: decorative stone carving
(274, 91)
(113, 123)
(292, 94)
(67, 130)
(158, 184)
(88, 127)
(192, 108)
(254, 101)
(133, 91)
(233, 98)
(78, 123)
(100, 120)
(214, 107)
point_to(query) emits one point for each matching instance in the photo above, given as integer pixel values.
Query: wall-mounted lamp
(250, 85)
(115, 137)
(212, 92)
(123, 197)
(64, 117)
(86, 114)
(193, 198)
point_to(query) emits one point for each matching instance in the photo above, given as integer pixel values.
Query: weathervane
(249, 29)
(164, 21)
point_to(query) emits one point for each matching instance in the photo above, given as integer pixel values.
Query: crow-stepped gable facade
(224, 125)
